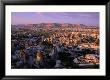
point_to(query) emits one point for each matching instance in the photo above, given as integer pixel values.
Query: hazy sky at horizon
(87, 18)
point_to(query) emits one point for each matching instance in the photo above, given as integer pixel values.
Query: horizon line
(53, 23)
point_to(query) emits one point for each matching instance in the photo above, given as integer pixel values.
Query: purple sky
(87, 18)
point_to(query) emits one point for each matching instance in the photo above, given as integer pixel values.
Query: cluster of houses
(60, 49)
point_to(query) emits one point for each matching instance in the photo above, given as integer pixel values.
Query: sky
(87, 18)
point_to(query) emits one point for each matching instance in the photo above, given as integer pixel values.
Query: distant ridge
(52, 25)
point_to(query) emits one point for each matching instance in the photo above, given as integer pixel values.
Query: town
(55, 46)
